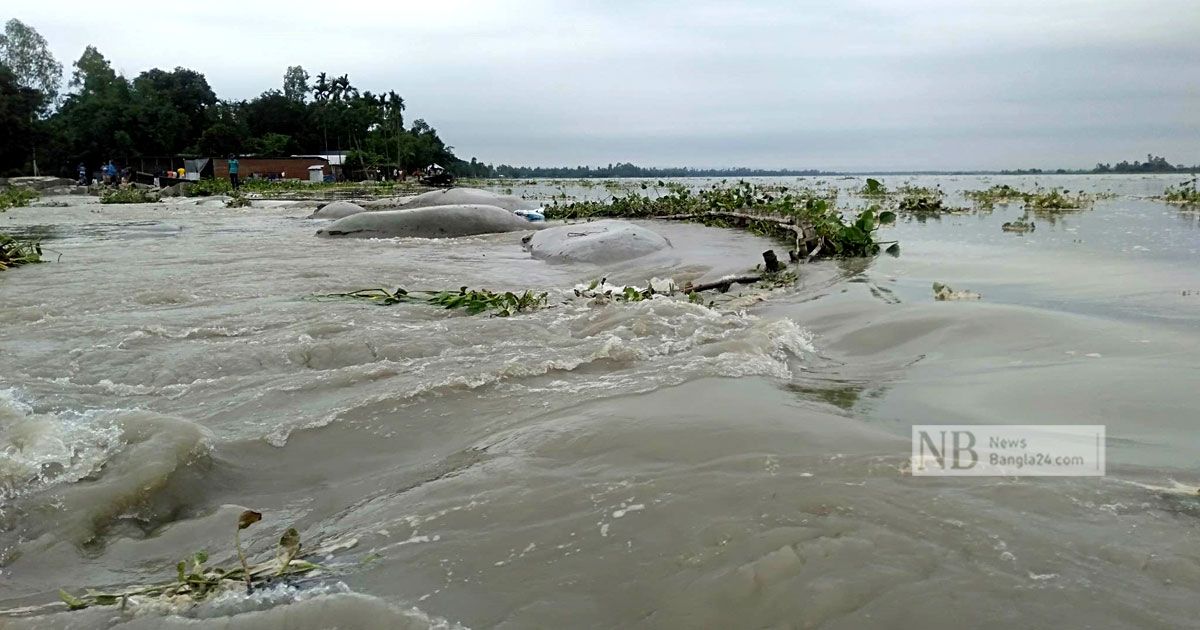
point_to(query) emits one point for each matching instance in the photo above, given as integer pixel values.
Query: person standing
(83, 178)
(233, 171)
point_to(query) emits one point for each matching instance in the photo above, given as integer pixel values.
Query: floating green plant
(473, 301)
(15, 252)
(237, 200)
(1020, 226)
(1056, 200)
(128, 195)
(997, 194)
(873, 188)
(1185, 193)
(920, 200)
(804, 218)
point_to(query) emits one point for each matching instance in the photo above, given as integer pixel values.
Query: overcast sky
(848, 85)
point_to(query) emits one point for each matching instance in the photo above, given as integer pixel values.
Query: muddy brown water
(649, 465)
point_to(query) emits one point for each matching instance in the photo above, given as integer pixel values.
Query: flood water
(650, 465)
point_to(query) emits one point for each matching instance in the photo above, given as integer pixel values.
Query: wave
(69, 475)
(579, 349)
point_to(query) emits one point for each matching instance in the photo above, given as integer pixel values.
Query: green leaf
(894, 250)
(887, 217)
(866, 221)
(74, 603)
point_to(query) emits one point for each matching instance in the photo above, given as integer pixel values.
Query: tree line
(171, 113)
(1153, 164)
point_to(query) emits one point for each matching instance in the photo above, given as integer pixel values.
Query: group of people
(109, 175)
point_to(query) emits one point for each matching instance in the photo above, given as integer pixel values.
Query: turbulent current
(658, 464)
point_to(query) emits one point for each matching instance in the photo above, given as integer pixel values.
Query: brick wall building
(295, 168)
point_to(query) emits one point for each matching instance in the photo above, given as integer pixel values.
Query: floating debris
(943, 293)
(15, 252)
(196, 582)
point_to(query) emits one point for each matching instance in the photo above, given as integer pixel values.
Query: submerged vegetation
(1055, 200)
(1020, 226)
(997, 194)
(473, 301)
(1044, 202)
(873, 188)
(771, 274)
(15, 252)
(804, 218)
(924, 201)
(1184, 194)
(195, 581)
(128, 195)
(16, 197)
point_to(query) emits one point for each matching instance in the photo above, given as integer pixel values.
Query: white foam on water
(40, 450)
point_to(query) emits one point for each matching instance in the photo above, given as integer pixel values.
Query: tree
(295, 84)
(27, 55)
(171, 109)
(18, 121)
(226, 135)
(274, 112)
(94, 121)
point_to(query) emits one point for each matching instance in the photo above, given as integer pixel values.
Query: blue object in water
(530, 215)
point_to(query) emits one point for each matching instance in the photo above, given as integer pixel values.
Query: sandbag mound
(596, 242)
(386, 203)
(35, 182)
(456, 196)
(434, 222)
(336, 210)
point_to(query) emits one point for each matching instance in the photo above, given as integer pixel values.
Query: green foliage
(922, 201)
(873, 188)
(1039, 201)
(19, 129)
(473, 301)
(1055, 200)
(1020, 226)
(209, 187)
(499, 304)
(15, 252)
(272, 144)
(237, 200)
(173, 112)
(775, 212)
(127, 195)
(1184, 194)
(27, 54)
(295, 84)
(15, 197)
(1153, 164)
(998, 193)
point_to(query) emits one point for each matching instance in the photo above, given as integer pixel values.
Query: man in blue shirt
(233, 171)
